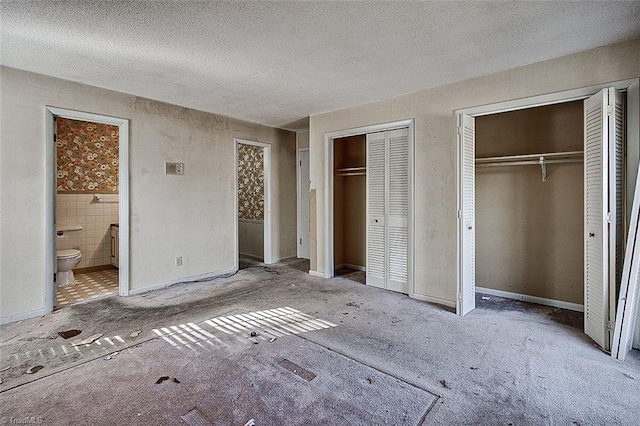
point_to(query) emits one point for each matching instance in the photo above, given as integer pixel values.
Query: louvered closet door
(616, 201)
(466, 231)
(629, 299)
(596, 205)
(398, 209)
(376, 204)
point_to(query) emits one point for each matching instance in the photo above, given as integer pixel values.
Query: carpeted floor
(325, 352)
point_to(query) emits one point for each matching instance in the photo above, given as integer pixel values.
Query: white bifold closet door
(466, 215)
(603, 212)
(387, 209)
(629, 299)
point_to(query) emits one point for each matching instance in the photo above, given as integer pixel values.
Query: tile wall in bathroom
(95, 218)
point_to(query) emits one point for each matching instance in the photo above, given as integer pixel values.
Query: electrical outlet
(179, 261)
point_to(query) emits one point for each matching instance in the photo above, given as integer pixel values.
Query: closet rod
(529, 162)
(351, 169)
(532, 159)
(351, 174)
(536, 157)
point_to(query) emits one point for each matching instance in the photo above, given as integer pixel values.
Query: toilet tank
(68, 237)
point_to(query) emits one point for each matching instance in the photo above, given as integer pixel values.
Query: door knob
(591, 234)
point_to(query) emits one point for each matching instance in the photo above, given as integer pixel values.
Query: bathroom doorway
(87, 202)
(252, 207)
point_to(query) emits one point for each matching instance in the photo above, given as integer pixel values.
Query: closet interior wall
(350, 202)
(529, 233)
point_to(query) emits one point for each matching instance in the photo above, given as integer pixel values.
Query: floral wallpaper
(250, 182)
(87, 157)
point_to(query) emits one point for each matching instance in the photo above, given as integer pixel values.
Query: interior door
(376, 204)
(466, 301)
(398, 209)
(304, 248)
(630, 286)
(603, 212)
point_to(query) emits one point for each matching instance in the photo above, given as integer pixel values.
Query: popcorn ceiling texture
(87, 157)
(277, 63)
(250, 182)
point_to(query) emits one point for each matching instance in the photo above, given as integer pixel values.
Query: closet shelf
(351, 171)
(532, 159)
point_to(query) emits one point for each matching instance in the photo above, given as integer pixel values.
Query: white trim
(267, 199)
(317, 274)
(351, 266)
(299, 223)
(543, 100)
(435, 300)
(185, 280)
(282, 259)
(531, 299)
(251, 256)
(23, 316)
(51, 191)
(328, 192)
(631, 135)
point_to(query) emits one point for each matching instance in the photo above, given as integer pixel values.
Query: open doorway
(87, 158)
(252, 203)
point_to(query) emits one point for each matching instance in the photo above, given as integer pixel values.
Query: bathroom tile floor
(90, 285)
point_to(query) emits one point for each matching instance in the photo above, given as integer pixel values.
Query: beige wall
(435, 146)
(189, 216)
(529, 233)
(302, 139)
(349, 203)
(251, 238)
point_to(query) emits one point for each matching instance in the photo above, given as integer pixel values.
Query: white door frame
(632, 87)
(266, 223)
(300, 225)
(328, 196)
(51, 191)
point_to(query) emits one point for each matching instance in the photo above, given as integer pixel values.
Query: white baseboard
(284, 258)
(316, 274)
(23, 316)
(252, 256)
(532, 299)
(207, 275)
(432, 299)
(350, 266)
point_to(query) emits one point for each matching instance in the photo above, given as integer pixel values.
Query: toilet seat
(68, 254)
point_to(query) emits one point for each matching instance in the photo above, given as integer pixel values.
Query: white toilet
(67, 257)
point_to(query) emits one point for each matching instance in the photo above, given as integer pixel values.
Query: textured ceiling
(278, 63)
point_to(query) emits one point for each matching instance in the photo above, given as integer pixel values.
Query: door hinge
(459, 130)
(609, 325)
(55, 137)
(609, 109)
(459, 214)
(300, 240)
(300, 163)
(607, 217)
(459, 297)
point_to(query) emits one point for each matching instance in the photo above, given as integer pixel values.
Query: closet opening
(526, 228)
(369, 205)
(349, 207)
(529, 185)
